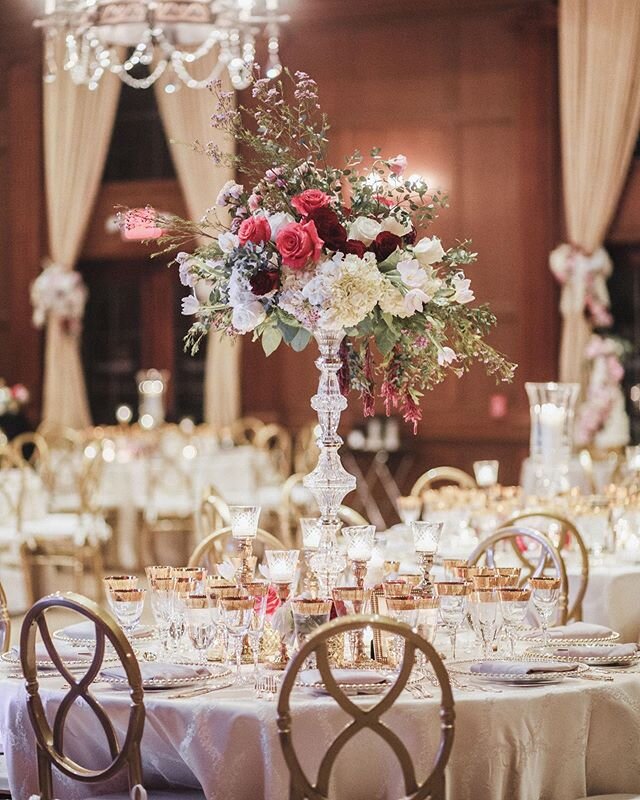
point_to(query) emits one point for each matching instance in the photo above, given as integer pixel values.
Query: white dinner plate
(13, 658)
(215, 672)
(591, 661)
(145, 633)
(515, 679)
(364, 687)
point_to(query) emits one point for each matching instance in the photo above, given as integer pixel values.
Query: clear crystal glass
(244, 521)
(552, 407)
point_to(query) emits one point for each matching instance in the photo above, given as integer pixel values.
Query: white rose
(428, 251)
(246, 318)
(364, 230)
(415, 299)
(228, 241)
(393, 225)
(277, 221)
(412, 273)
(190, 305)
(462, 288)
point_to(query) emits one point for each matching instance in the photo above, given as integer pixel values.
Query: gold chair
(212, 550)
(50, 738)
(212, 514)
(276, 442)
(33, 448)
(564, 538)
(549, 555)
(5, 622)
(442, 475)
(243, 431)
(349, 516)
(301, 786)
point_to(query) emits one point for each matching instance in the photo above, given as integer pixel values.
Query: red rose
(410, 238)
(310, 200)
(298, 243)
(264, 281)
(332, 233)
(384, 244)
(254, 229)
(355, 247)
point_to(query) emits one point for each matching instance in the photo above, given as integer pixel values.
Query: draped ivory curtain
(186, 116)
(77, 131)
(600, 114)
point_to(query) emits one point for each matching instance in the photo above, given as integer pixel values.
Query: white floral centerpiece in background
(60, 293)
(311, 247)
(12, 398)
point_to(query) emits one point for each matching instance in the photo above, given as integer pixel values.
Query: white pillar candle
(552, 422)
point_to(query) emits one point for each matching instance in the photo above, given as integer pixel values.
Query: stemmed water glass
(236, 613)
(483, 605)
(514, 605)
(199, 624)
(118, 582)
(545, 593)
(259, 591)
(196, 574)
(183, 586)
(308, 615)
(452, 601)
(161, 596)
(218, 588)
(127, 605)
(403, 609)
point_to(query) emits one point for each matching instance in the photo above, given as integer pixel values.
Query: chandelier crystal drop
(165, 36)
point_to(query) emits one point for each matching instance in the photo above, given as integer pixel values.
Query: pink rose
(398, 164)
(298, 243)
(310, 200)
(254, 229)
(254, 202)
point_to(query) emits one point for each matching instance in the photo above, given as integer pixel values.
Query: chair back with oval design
(33, 448)
(548, 556)
(212, 514)
(447, 475)
(243, 431)
(275, 441)
(50, 737)
(5, 622)
(433, 786)
(564, 535)
(213, 549)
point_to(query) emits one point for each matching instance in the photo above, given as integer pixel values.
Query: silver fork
(267, 686)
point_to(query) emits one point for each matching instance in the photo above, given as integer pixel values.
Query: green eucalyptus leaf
(300, 340)
(271, 339)
(386, 339)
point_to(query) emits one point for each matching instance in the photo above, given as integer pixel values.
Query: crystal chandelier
(164, 36)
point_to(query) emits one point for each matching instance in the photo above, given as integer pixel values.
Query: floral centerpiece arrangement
(311, 247)
(12, 398)
(59, 293)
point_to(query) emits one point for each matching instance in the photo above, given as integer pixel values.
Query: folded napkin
(157, 670)
(575, 630)
(345, 676)
(87, 630)
(521, 667)
(66, 652)
(596, 651)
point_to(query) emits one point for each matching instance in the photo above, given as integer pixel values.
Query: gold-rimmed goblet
(127, 606)
(200, 626)
(309, 614)
(483, 605)
(157, 571)
(117, 583)
(197, 574)
(403, 609)
(545, 593)
(236, 614)
(451, 565)
(514, 605)
(349, 600)
(452, 602)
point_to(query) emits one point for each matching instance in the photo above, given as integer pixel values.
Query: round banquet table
(554, 743)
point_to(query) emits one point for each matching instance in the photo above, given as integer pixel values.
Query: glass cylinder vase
(552, 407)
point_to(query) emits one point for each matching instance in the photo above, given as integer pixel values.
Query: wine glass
(514, 604)
(236, 613)
(545, 593)
(161, 596)
(183, 586)
(308, 615)
(127, 605)
(452, 602)
(116, 582)
(197, 574)
(259, 591)
(483, 605)
(199, 624)
(403, 609)
(347, 601)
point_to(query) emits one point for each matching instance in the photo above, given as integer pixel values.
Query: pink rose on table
(254, 229)
(398, 164)
(298, 243)
(310, 200)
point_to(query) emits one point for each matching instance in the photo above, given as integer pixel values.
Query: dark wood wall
(467, 90)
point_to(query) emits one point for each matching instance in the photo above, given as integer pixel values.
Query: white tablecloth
(555, 743)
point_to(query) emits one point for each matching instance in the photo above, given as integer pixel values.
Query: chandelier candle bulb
(486, 473)
(552, 421)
